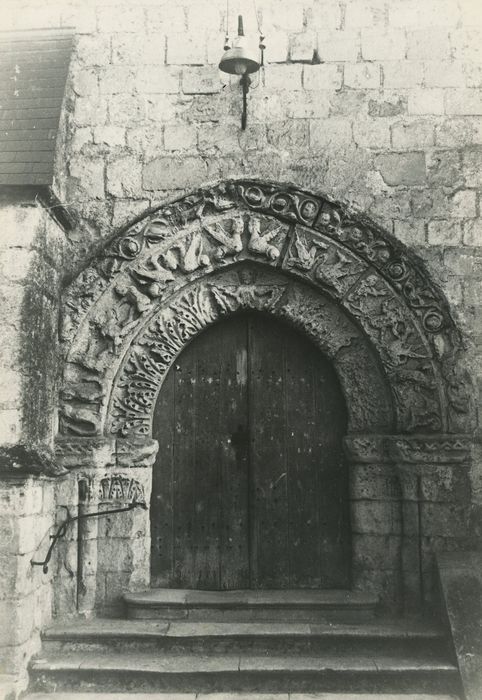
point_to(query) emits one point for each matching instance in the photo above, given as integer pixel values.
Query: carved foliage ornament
(364, 269)
(152, 355)
(118, 488)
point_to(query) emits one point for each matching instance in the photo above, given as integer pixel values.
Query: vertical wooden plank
(184, 370)
(162, 487)
(206, 514)
(269, 502)
(303, 458)
(221, 464)
(233, 459)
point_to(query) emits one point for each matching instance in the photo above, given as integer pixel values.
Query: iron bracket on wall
(62, 529)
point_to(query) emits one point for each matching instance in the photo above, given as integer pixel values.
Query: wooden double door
(250, 486)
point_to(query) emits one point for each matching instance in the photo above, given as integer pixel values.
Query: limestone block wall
(27, 512)
(31, 246)
(31, 258)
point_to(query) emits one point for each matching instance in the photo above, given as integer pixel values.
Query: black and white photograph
(240, 350)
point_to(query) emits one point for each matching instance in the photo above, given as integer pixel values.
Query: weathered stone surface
(10, 425)
(402, 74)
(388, 45)
(93, 49)
(443, 168)
(89, 174)
(402, 168)
(329, 133)
(410, 232)
(376, 552)
(127, 210)
(472, 167)
(116, 80)
(322, 77)
(462, 592)
(302, 46)
(338, 45)
(168, 172)
(124, 177)
(371, 134)
(146, 140)
(218, 138)
(376, 517)
(458, 132)
(412, 135)
(442, 232)
(200, 81)
(426, 101)
(362, 75)
(362, 13)
(289, 134)
(277, 47)
(433, 46)
(185, 49)
(463, 101)
(440, 74)
(131, 19)
(473, 233)
(284, 77)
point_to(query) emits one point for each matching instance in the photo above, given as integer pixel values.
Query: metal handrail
(62, 529)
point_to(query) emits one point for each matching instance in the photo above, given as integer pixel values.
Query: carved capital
(136, 452)
(105, 452)
(120, 488)
(366, 449)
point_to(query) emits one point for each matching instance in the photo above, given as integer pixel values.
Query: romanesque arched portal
(361, 297)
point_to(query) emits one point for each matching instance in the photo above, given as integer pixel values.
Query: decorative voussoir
(141, 286)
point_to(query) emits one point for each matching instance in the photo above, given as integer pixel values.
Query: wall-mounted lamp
(241, 60)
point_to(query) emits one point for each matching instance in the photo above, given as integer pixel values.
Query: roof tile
(33, 72)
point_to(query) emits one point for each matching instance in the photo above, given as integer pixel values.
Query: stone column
(412, 582)
(375, 518)
(434, 478)
(410, 497)
(111, 552)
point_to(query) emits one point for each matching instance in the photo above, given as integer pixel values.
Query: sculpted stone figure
(368, 274)
(260, 242)
(230, 242)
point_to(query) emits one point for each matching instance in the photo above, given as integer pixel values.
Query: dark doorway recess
(250, 487)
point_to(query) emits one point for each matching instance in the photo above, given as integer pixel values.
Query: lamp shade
(239, 61)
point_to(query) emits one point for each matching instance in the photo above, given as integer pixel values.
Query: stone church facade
(348, 210)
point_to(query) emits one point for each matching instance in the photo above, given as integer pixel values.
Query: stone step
(237, 696)
(148, 672)
(247, 605)
(234, 637)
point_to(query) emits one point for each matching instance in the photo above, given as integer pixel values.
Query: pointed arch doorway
(250, 488)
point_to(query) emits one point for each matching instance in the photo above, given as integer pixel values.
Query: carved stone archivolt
(249, 245)
(153, 351)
